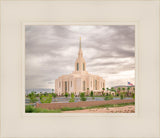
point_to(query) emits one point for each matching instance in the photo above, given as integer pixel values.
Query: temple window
(83, 67)
(95, 84)
(59, 84)
(84, 86)
(68, 85)
(77, 66)
(65, 86)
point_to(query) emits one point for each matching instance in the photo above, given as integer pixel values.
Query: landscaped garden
(90, 99)
(33, 109)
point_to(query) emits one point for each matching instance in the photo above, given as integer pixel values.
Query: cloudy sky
(51, 51)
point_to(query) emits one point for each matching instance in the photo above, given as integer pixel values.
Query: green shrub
(66, 94)
(54, 95)
(82, 96)
(72, 98)
(71, 108)
(103, 94)
(32, 109)
(109, 97)
(83, 99)
(29, 109)
(133, 95)
(46, 99)
(32, 97)
(91, 94)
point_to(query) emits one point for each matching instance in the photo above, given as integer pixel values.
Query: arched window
(84, 86)
(65, 86)
(59, 84)
(95, 84)
(83, 67)
(77, 66)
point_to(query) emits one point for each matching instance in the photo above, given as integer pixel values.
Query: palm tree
(134, 89)
(123, 89)
(128, 88)
(107, 89)
(119, 90)
(103, 91)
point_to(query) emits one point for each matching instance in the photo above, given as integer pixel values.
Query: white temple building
(79, 80)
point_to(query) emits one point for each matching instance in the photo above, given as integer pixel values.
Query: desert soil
(54, 106)
(124, 109)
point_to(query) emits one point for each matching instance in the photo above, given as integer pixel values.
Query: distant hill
(38, 90)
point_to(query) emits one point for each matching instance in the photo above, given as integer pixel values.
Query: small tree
(92, 94)
(122, 96)
(32, 97)
(46, 99)
(82, 96)
(72, 98)
(37, 95)
(45, 94)
(87, 91)
(54, 95)
(40, 93)
(103, 91)
(66, 94)
(133, 95)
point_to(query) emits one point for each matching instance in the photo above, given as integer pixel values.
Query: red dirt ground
(124, 109)
(81, 104)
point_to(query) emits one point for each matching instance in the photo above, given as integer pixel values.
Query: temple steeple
(80, 64)
(80, 43)
(80, 53)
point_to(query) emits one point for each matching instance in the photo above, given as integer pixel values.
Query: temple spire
(80, 64)
(80, 43)
(80, 54)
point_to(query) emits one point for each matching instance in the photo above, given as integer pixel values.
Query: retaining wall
(81, 104)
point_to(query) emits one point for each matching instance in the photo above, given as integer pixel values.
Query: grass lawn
(32, 109)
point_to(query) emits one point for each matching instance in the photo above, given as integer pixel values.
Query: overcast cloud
(51, 51)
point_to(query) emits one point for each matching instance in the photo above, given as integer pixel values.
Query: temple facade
(79, 80)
